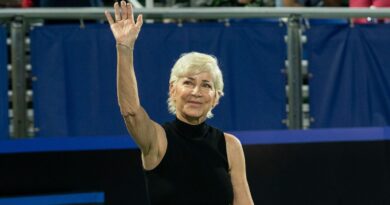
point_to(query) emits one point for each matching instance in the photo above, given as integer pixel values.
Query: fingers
(124, 10)
(109, 17)
(139, 21)
(130, 12)
(117, 12)
(127, 13)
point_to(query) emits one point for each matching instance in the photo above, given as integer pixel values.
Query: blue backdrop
(75, 92)
(351, 76)
(4, 131)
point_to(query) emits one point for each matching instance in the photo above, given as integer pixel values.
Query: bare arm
(236, 158)
(148, 135)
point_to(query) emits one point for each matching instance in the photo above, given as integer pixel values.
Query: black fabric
(194, 169)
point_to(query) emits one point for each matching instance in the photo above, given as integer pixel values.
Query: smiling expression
(194, 96)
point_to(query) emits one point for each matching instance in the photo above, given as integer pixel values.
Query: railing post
(149, 4)
(294, 73)
(19, 104)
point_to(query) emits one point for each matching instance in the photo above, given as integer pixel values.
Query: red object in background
(369, 4)
(27, 3)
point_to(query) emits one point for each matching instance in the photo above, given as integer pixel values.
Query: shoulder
(157, 150)
(166, 125)
(234, 150)
(232, 141)
(168, 128)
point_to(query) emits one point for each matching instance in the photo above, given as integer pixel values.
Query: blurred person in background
(62, 3)
(218, 3)
(10, 3)
(309, 3)
(256, 3)
(201, 3)
(369, 4)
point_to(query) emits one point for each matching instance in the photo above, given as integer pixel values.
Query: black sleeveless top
(194, 170)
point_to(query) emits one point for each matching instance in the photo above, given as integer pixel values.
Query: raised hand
(124, 28)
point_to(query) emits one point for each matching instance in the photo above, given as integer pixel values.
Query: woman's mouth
(194, 103)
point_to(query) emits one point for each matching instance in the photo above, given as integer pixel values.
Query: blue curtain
(75, 89)
(4, 122)
(75, 92)
(351, 76)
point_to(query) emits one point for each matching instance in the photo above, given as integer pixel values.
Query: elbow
(127, 114)
(127, 111)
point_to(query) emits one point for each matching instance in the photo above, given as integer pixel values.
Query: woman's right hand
(124, 28)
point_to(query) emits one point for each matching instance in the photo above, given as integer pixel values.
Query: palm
(125, 32)
(124, 28)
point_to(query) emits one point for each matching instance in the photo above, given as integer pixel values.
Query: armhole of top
(224, 150)
(165, 127)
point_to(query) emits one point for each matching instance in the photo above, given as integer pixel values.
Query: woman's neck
(191, 131)
(191, 120)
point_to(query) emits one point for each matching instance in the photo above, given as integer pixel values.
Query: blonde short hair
(194, 63)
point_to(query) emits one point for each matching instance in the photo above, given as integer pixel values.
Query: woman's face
(194, 97)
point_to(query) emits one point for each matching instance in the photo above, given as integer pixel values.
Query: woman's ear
(216, 100)
(172, 89)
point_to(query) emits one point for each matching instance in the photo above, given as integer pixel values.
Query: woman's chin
(194, 114)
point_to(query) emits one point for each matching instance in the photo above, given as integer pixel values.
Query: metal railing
(17, 18)
(199, 13)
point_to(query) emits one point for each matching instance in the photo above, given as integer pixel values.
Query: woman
(185, 161)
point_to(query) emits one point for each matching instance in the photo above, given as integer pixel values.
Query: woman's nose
(196, 91)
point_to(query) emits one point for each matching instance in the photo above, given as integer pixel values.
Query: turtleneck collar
(191, 131)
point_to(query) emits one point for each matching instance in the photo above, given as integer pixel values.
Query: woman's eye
(187, 83)
(207, 86)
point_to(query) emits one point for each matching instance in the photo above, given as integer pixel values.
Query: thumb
(139, 21)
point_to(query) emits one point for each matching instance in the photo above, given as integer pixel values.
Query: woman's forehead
(198, 76)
